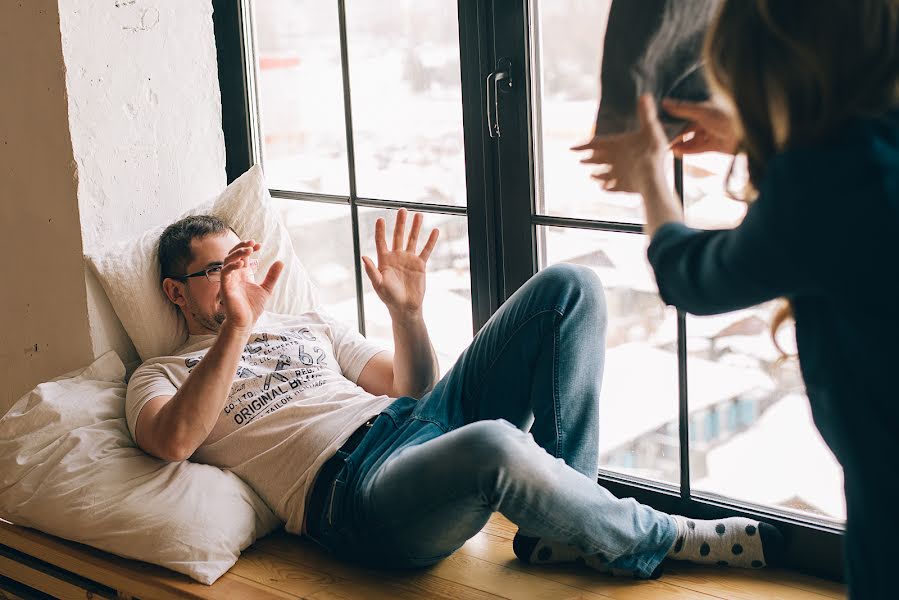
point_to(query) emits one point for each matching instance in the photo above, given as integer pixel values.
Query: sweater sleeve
(710, 272)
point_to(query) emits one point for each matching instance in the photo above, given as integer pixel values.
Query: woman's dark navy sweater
(823, 233)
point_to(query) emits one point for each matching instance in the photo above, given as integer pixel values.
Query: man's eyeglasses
(214, 273)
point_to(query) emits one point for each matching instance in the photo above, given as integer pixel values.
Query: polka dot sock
(731, 542)
(533, 550)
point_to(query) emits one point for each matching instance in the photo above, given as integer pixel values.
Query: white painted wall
(117, 129)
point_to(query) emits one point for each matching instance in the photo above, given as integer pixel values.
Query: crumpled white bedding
(69, 467)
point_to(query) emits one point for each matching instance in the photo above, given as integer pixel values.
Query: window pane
(638, 431)
(300, 95)
(322, 237)
(407, 100)
(570, 41)
(752, 436)
(707, 204)
(447, 307)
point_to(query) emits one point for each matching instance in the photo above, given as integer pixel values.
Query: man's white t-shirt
(293, 403)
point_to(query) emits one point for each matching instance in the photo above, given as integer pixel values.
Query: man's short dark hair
(174, 243)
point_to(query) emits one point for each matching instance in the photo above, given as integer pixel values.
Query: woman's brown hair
(798, 70)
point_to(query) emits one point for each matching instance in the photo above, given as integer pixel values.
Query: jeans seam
(524, 322)
(557, 409)
(440, 425)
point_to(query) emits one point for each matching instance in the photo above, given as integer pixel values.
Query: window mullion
(683, 404)
(351, 162)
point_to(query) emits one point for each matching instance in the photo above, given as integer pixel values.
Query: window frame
(503, 224)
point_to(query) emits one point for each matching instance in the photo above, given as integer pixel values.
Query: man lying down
(372, 456)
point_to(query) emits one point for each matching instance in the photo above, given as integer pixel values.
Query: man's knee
(491, 445)
(576, 283)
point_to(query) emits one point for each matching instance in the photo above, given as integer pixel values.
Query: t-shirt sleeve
(767, 256)
(352, 350)
(148, 381)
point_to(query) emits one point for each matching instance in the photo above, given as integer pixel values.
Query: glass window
(300, 96)
(322, 237)
(571, 36)
(407, 101)
(773, 455)
(638, 414)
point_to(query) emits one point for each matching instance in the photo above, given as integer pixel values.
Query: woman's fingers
(700, 142)
(585, 146)
(691, 147)
(607, 179)
(689, 111)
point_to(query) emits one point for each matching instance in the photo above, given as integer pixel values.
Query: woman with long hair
(809, 91)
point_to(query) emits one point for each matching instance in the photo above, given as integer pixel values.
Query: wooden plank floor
(285, 566)
(486, 568)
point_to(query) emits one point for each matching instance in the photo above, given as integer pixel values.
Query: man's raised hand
(243, 300)
(399, 277)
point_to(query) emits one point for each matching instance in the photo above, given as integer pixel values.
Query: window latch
(500, 81)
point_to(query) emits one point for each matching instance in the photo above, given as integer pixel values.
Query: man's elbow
(169, 450)
(175, 454)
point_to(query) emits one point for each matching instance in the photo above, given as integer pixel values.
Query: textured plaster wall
(145, 119)
(43, 329)
(111, 124)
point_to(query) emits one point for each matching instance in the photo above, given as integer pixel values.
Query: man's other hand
(399, 277)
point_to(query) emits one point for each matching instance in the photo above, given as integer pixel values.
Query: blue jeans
(430, 472)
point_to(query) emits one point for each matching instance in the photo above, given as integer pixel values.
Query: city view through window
(751, 434)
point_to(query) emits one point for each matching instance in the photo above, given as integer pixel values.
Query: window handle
(498, 81)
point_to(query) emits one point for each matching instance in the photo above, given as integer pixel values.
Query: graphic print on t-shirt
(274, 369)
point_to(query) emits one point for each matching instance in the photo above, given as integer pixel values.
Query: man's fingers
(244, 244)
(412, 244)
(381, 238)
(399, 229)
(429, 245)
(373, 274)
(236, 254)
(231, 267)
(271, 278)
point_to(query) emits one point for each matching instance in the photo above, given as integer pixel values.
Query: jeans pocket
(335, 503)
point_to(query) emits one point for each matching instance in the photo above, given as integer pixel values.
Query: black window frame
(503, 223)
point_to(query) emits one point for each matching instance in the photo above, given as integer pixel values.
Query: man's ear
(174, 291)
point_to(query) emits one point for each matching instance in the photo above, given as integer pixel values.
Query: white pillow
(129, 270)
(68, 467)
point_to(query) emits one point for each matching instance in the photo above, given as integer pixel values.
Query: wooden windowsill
(285, 566)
